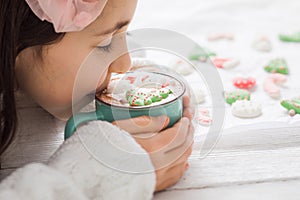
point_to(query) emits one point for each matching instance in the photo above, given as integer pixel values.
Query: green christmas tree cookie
(277, 66)
(293, 106)
(233, 96)
(202, 55)
(146, 96)
(290, 38)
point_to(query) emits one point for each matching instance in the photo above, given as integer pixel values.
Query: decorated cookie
(246, 109)
(271, 84)
(278, 65)
(220, 36)
(204, 119)
(244, 83)
(290, 38)
(198, 93)
(262, 43)
(293, 106)
(239, 94)
(182, 67)
(202, 55)
(146, 96)
(225, 63)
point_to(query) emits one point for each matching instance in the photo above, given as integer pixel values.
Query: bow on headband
(67, 15)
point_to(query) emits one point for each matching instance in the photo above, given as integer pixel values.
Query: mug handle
(70, 127)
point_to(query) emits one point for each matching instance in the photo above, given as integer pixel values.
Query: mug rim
(149, 106)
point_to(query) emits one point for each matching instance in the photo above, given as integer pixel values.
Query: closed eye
(105, 48)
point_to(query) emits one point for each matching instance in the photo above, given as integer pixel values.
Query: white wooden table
(245, 164)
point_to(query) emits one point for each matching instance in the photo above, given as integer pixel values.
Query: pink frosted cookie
(204, 119)
(220, 36)
(271, 84)
(225, 63)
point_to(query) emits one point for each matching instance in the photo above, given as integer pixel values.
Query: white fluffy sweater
(99, 161)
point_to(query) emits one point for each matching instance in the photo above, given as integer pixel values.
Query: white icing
(182, 67)
(231, 63)
(262, 43)
(246, 109)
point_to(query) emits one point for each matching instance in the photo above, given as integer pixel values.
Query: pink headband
(67, 15)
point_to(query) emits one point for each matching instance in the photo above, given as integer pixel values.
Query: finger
(173, 175)
(176, 153)
(188, 113)
(168, 153)
(188, 108)
(175, 136)
(155, 145)
(184, 157)
(186, 101)
(143, 124)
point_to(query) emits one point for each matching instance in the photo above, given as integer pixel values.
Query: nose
(121, 65)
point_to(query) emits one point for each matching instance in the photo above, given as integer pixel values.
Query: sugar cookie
(146, 96)
(203, 55)
(290, 38)
(244, 83)
(239, 94)
(278, 65)
(246, 109)
(204, 119)
(293, 106)
(219, 36)
(271, 84)
(262, 43)
(225, 63)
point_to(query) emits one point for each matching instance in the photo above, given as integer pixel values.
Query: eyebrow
(118, 26)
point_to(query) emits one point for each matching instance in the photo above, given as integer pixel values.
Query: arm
(79, 171)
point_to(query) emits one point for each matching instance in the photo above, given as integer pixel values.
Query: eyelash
(105, 48)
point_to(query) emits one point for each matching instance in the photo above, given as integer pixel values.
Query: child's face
(50, 81)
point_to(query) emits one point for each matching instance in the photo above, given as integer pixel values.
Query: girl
(43, 43)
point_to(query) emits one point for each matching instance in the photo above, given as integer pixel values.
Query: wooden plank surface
(246, 157)
(245, 161)
(279, 190)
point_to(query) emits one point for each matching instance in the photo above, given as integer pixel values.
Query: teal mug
(106, 111)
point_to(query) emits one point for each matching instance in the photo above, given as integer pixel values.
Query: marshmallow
(262, 43)
(182, 67)
(246, 109)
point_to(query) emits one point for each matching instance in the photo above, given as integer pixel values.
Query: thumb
(143, 124)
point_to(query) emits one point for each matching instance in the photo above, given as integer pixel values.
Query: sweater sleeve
(99, 161)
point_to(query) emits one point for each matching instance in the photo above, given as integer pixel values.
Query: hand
(168, 149)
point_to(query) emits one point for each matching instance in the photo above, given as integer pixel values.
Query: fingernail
(187, 165)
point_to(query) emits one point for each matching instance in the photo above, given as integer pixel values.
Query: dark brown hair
(19, 29)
